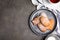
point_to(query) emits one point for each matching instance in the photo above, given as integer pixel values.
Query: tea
(54, 1)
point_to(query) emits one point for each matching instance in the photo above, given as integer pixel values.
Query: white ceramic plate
(55, 6)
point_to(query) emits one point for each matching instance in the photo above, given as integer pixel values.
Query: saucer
(55, 6)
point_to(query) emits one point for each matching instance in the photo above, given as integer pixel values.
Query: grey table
(14, 20)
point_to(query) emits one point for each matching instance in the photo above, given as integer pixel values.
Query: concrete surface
(14, 20)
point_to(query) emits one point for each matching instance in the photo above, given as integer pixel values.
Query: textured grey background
(14, 20)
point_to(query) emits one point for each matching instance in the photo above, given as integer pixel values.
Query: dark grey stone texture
(14, 20)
